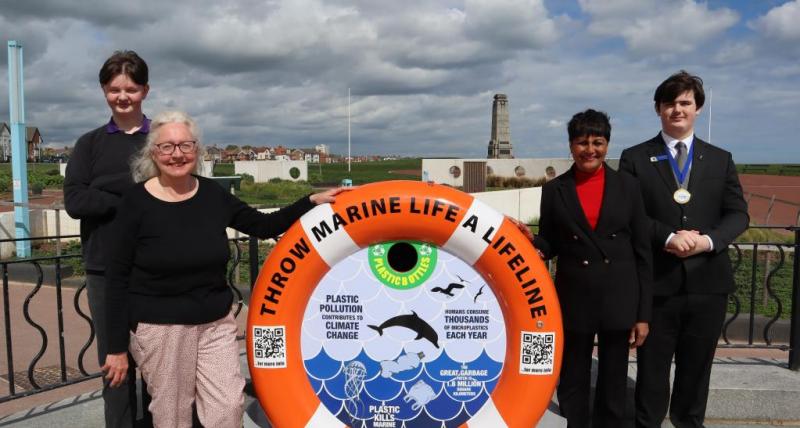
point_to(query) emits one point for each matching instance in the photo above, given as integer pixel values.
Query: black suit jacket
(603, 276)
(716, 208)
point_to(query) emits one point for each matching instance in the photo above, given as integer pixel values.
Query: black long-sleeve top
(98, 174)
(168, 261)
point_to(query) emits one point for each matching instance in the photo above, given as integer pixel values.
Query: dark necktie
(680, 156)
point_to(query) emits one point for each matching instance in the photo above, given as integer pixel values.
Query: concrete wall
(522, 204)
(208, 169)
(263, 171)
(439, 170)
(43, 223)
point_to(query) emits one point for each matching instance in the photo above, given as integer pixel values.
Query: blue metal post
(19, 149)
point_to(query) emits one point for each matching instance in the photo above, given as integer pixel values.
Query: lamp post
(19, 149)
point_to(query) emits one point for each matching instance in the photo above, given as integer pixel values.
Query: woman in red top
(593, 219)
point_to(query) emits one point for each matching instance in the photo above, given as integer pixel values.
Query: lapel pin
(653, 159)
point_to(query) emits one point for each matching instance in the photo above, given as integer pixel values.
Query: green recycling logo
(413, 270)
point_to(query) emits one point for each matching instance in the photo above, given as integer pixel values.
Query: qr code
(269, 347)
(537, 353)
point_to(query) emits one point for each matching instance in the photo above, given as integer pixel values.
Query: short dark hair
(589, 122)
(127, 63)
(677, 84)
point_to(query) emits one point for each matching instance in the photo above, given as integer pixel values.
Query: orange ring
(390, 211)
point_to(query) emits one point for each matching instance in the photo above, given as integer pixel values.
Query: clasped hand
(687, 243)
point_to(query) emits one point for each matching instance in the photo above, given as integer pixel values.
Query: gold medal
(682, 196)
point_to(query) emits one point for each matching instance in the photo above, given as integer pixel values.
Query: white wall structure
(263, 171)
(451, 171)
(42, 223)
(521, 204)
(208, 168)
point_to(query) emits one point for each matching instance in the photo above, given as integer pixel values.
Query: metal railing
(744, 254)
(65, 374)
(766, 282)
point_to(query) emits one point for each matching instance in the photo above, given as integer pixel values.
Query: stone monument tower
(500, 144)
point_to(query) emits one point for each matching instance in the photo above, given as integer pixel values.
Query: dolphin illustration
(412, 322)
(448, 290)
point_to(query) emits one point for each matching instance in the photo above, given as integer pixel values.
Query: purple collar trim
(112, 127)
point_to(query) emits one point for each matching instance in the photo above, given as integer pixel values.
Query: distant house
(280, 151)
(262, 153)
(246, 155)
(229, 155)
(297, 154)
(213, 154)
(33, 138)
(322, 149)
(5, 142)
(310, 155)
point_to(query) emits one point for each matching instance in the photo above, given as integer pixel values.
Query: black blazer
(603, 276)
(716, 208)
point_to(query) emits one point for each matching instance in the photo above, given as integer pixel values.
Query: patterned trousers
(185, 364)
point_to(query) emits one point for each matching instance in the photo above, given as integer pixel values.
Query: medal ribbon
(681, 175)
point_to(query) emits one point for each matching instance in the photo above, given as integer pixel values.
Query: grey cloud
(422, 72)
(99, 12)
(780, 23)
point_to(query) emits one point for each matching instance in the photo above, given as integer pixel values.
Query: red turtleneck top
(590, 193)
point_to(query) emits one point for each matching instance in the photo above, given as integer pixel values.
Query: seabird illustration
(480, 291)
(448, 290)
(412, 322)
(460, 279)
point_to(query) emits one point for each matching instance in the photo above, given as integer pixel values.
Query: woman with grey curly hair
(144, 167)
(166, 278)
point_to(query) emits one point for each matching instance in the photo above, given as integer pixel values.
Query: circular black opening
(402, 256)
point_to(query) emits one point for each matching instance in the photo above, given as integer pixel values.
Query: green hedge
(45, 174)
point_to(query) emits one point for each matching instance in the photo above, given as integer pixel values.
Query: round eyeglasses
(183, 146)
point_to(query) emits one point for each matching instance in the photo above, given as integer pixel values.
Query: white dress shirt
(671, 142)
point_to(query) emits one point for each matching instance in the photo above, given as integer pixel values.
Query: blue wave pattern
(451, 392)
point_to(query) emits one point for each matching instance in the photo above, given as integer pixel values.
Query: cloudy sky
(422, 73)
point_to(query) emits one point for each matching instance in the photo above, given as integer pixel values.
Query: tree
(231, 147)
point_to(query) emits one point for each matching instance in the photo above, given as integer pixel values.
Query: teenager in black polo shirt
(97, 175)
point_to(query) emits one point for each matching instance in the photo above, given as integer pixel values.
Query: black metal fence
(784, 308)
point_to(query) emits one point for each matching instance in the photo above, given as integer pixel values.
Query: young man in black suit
(693, 196)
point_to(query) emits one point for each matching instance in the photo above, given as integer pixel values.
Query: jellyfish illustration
(354, 373)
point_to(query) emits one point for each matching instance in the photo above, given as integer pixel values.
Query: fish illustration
(448, 290)
(412, 322)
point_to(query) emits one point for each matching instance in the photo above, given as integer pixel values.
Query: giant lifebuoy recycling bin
(405, 304)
